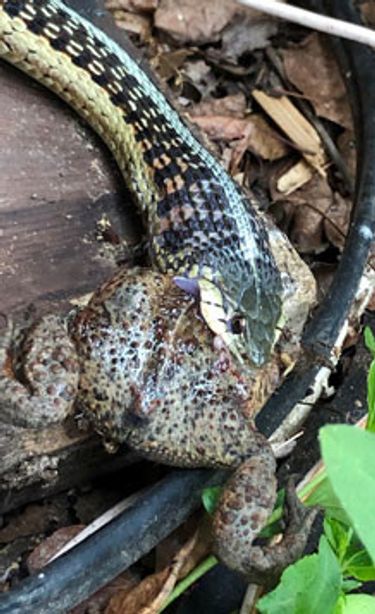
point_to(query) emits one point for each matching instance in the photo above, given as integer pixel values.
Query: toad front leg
(38, 374)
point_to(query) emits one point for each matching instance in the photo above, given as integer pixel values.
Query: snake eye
(237, 324)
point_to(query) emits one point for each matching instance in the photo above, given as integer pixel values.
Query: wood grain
(57, 180)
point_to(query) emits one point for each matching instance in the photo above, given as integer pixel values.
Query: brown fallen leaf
(150, 594)
(263, 140)
(133, 22)
(50, 546)
(194, 21)
(368, 12)
(34, 519)
(170, 547)
(371, 303)
(305, 211)
(137, 599)
(245, 33)
(311, 67)
(233, 105)
(251, 133)
(169, 63)
(324, 274)
(222, 127)
(135, 6)
(348, 150)
(200, 75)
(336, 224)
(97, 603)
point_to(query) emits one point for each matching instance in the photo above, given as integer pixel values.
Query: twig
(315, 21)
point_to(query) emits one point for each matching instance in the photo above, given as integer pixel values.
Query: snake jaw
(233, 325)
(217, 318)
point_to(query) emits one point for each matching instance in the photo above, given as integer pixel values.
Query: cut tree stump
(57, 182)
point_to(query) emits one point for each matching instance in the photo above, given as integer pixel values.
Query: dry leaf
(336, 225)
(34, 519)
(194, 21)
(222, 127)
(371, 303)
(50, 546)
(348, 150)
(263, 140)
(368, 12)
(168, 64)
(135, 600)
(134, 23)
(245, 33)
(233, 105)
(150, 594)
(135, 6)
(296, 127)
(252, 133)
(324, 274)
(171, 546)
(97, 603)
(311, 67)
(200, 75)
(306, 209)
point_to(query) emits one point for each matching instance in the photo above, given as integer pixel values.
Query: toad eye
(237, 324)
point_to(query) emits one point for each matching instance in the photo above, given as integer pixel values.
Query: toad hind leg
(38, 379)
(243, 509)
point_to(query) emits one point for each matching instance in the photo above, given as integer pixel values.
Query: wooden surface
(57, 180)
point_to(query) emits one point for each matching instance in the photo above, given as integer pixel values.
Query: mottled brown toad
(143, 365)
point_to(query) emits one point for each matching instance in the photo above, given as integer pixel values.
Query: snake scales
(202, 228)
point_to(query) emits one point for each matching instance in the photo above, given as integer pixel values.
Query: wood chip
(302, 134)
(294, 178)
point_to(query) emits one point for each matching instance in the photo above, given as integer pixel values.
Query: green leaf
(349, 456)
(310, 586)
(354, 560)
(360, 567)
(339, 536)
(362, 574)
(323, 496)
(370, 340)
(371, 398)
(350, 585)
(356, 604)
(210, 498)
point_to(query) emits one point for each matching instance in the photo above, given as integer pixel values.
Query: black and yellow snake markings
(202, 227)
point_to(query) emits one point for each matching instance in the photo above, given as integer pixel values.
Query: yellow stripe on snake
(202, 228)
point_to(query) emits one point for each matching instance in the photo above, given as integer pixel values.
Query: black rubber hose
(357, 62)
(83, 570)
(358, 68)
(86, 568)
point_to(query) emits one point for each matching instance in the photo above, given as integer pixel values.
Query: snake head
(246, 324)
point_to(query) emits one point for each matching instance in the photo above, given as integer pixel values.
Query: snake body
(202, 228)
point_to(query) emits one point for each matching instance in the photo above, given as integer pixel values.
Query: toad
(141, 362)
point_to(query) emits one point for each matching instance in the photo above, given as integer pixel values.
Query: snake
(203, 229)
